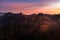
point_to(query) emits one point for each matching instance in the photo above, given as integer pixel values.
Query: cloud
(27, 7)
(19, 6)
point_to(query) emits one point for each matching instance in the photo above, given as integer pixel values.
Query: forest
(29, 27)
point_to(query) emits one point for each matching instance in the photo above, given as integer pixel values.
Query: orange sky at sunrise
(27, 7)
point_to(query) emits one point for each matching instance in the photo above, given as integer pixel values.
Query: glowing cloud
(29, 7)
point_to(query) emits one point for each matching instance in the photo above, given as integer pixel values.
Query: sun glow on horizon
(45, 7)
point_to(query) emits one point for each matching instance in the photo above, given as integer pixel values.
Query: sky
(30, 6)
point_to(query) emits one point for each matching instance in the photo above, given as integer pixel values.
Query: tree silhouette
(29, 27)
